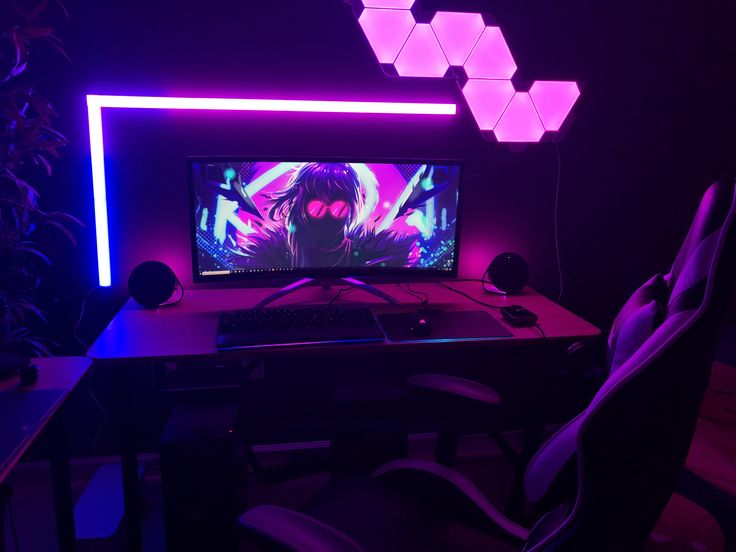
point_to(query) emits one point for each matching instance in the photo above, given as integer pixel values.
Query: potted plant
(28, 146)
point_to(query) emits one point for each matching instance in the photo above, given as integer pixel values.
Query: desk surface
(189, 328)
(55, 373)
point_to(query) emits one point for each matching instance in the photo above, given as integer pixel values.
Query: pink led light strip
(95, 104)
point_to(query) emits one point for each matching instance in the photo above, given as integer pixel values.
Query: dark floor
(32, 504)
(32, 507)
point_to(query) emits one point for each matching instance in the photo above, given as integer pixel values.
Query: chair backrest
(632, 440)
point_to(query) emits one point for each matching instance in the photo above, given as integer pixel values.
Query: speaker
(152, 284)
(508, 273)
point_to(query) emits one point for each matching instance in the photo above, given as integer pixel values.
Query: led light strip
(95, 103)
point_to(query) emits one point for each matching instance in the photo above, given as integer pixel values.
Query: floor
(32, 507)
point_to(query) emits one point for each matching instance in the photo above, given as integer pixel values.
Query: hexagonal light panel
(487, 100)
(491, 57)
(520, 122)
(386, 31)
(421, 55)
(396, 4)
(457, 33)
(481, 63)
(554, 100)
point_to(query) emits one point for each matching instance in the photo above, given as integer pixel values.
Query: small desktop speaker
(507, 273)
(152, 283)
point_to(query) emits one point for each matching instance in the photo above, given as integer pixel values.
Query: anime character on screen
(317, 224)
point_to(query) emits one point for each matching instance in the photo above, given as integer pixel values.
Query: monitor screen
(254, 217)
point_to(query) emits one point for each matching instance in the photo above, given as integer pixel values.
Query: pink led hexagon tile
(554, 100)
(386, 31)
(457, 33)
(487, 100)
(520, 122)
(395, 4)
(491, 57)
(421, 55)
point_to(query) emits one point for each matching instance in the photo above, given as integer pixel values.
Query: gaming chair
(629, 444)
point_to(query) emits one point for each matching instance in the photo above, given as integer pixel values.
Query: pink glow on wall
(487, 100)
(491, 57)
(462, 39)
(457, 33)
(397, 4)
(554, 100)
(386, 30)
(421, 56)
(520, 122)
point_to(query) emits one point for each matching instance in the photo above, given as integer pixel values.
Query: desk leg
(62, 485)
(129, 460)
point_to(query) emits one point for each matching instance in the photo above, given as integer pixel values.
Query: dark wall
(655, 124)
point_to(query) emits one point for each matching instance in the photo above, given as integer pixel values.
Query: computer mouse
(420, 326)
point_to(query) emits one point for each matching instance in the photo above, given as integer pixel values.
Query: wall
(655, 124)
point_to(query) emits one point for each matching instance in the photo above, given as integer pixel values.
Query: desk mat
(475, 324)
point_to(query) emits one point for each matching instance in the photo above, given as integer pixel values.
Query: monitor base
(286, 290)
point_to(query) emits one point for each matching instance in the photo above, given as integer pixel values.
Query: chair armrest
(286, 529)
(447, 489)
(450, 386)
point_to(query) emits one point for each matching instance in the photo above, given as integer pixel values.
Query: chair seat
(381, 518)
(713, 451)
(685, 526)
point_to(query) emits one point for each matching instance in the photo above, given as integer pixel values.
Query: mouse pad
(445, 325)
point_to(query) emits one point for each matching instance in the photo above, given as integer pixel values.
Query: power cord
(468, 296)
(87, 295)
(420, 296)
(5, 503)
(556, 225)
(539, 327)
(105, 416)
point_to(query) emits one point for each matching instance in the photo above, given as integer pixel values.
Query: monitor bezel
(372, 273)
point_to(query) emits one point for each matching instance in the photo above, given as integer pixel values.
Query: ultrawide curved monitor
(321, 218)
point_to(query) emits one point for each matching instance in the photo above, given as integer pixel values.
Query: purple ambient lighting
(386, 31)
(96, 103)
(458, 33)
(554, 100)
(520, 122)
(422, 55)
(463, 39)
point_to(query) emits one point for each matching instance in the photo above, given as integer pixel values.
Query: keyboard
(296, 325)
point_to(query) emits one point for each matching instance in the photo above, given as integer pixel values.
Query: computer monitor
(262, 217)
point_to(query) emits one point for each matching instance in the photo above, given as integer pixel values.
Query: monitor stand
(307, 281)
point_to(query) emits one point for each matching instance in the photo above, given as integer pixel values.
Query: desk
(60, 374)
(187, 331)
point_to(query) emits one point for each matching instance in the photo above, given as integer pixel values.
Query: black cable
(339, 293)
(12, 525)
(539, 327)
(468, 296)
(556, 225)
(420, 296)
(81, 316)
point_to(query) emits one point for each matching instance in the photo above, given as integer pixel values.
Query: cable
(421, 296)
(339, 293)
(468, 296)
(81, 316)
(539, 327)
(105, 417)
(11, 517)
(556, 225)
